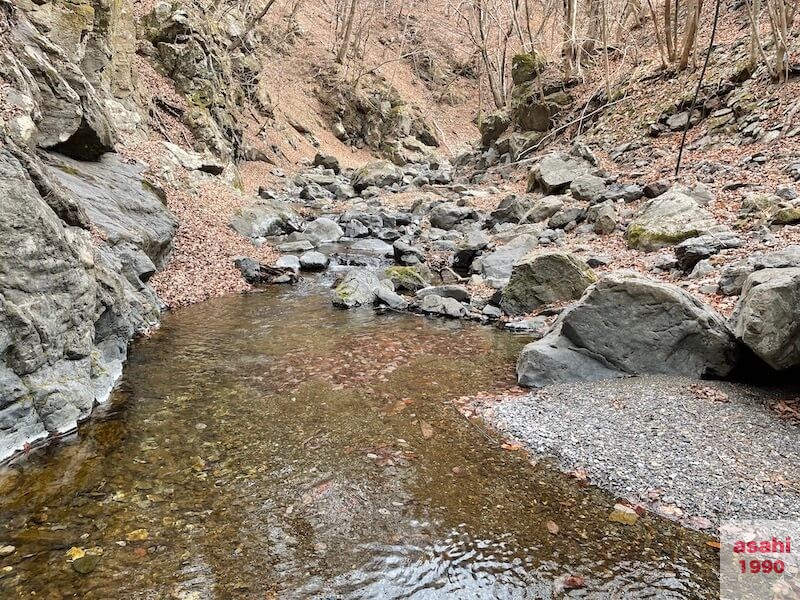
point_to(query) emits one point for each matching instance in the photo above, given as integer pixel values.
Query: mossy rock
(668, 220)
(492, 126)
(526, 67)
(406, 278)
(789, 215)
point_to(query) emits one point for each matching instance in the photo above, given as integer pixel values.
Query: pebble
(7, 550)
(137, 535)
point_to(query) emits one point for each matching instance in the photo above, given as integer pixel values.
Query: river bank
(696, 452)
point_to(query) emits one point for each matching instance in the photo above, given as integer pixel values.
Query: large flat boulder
(767, 318)
(380, 173)
(265, 218)
(545, 278)
(668, 220)
(626, 324)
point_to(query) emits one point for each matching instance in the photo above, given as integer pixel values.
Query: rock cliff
(82, 230)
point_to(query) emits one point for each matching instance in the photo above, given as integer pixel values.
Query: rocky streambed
(268, 445)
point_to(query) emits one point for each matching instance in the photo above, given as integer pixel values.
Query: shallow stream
(269, 446)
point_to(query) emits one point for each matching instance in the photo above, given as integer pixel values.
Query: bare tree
(348, 31)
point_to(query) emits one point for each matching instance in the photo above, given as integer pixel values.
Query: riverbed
(269, 446)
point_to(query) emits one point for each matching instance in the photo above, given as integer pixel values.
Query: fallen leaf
(623, 514)
(552, 527)
(574, 582)
(426, 428)
(75, 553)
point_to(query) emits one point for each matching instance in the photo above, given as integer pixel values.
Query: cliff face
(81, 231)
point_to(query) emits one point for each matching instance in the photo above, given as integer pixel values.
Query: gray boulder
(604, 218)
(314, 261)
(767, 317)
(327, 161)
(457, 292)
(492, 127)
(734, 276)
(384, 295)
(289, 262)
(626, 325)
(323, 231)
(358, 288)
(588, 188)
(446, 307)
(555, 174)
(381, 174)
(373, 246)
(512, 209)
(690, 252)
(447, 216)
(298, 246)
(265, 218)
(542, 209)
(667, 220)
(545, 278)
(496, 266)
(406, 254)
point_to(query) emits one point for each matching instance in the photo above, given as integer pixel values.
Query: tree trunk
(348, 31)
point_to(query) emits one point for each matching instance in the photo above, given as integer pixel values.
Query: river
(269, 446)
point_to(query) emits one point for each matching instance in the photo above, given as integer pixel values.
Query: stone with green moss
(668, 220)
(406, 278)
(787, 215)
(526, 67)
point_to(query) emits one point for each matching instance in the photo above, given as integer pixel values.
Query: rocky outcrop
(545, 278)
(625, 325)
(79, 240)
(195, 52)
(374, 115)
(667, 220)
(767, 318)
(68, 306)
(59, 108)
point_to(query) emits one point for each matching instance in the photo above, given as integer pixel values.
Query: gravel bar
(690, 450)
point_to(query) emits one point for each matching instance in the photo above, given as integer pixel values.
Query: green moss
(525, 67)
(406, 278)
(68, 170)
(639, 237)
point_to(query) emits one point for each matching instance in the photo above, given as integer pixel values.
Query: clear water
(273, 447)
